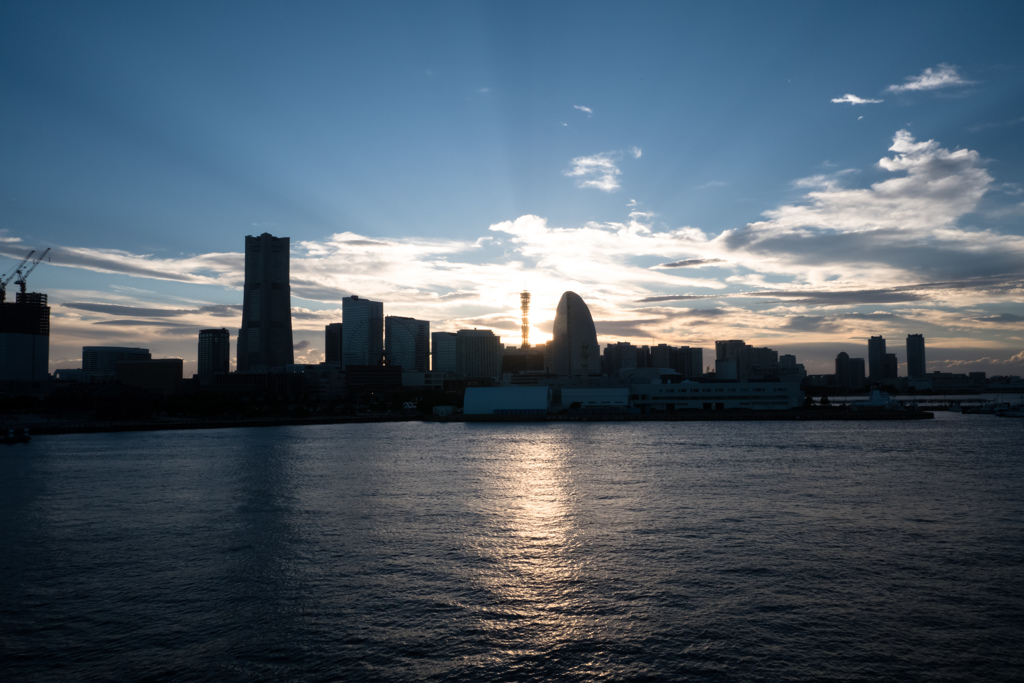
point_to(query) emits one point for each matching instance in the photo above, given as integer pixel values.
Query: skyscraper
(214, 354)
(362, 332)
(574, 349)
(876, 358)
(265, 338)
(332, 343)
(407, 343)
(915, 355)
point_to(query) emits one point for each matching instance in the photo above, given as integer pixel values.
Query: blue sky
(798, 175)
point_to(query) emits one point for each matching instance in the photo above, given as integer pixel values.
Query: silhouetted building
(574, 349)
(619, 356)
(333, 343)
(876, 358)
(518, 360)
(99, 361)
(442, 352)
(214, 354)
(362, 331)
(25, 338)
(407, 343)
(159, 377)
(477, 353)
(915, 356)
(265, 338)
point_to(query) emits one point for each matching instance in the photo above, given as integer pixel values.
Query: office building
(477, 353)
(25, 338)
(442, 352)
(876, 358)
(574, 349)
(407, 343)
(362, 333)
(214, 354)
(915, 356)
(101, 361)
(333, 343)
(265, 338)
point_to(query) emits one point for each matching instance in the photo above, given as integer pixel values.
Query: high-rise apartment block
(265, 338)
(333, 343)
(214, 354)
(407, 343)
(915, 356)
(362, 331)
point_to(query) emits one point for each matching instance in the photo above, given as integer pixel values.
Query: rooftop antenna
(524, 305)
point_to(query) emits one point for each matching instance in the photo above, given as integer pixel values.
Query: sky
(799, 175)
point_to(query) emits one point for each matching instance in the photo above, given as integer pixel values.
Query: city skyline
(688, 171)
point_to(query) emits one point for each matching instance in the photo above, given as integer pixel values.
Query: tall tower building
(362, 333)
(407, 343)
(574, 349)
(915, 355)
(25, 338)
(876, 358)
(332, 343)
(214, 354)
(265, 338)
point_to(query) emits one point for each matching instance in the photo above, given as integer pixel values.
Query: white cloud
(586, 110)
(942, 76)
(636, 152)
(853, 99)
(712, 183)
(598, 171)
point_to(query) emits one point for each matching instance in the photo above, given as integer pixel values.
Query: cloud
(1002, 319)
(943, 76)
(302, 345)
(586, 110)
(712, 183)
(113, 309)
(690, 262)
(853, 99)
(636, 152)
(598, 171)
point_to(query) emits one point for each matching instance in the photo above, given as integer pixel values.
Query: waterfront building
(876, 358)
(25, 338)
(362, 331)
(407, 343)
(619, 356)
(574, 348)
(915, 356)
(265, 338)
(442, 352)
(214, 354)
(101, 361)
(332, 343)
(156, 376)
(477, 353)
(891, 367)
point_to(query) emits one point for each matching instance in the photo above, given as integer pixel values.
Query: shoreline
(50, 428)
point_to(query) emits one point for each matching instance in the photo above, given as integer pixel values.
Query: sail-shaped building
(574, 349)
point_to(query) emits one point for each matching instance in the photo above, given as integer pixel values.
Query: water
(632, 551)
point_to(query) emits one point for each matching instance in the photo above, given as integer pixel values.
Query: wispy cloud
(942, 76)
(691, 262)
(636, 152)
(712, 183)
(586, 110)
(853, 99)
(599, 171)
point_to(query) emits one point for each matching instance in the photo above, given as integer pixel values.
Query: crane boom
(24, 275)
(11, 273)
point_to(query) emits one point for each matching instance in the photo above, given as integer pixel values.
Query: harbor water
(490, 552)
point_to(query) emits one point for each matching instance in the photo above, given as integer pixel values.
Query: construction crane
(6, 278)
(23, 275)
